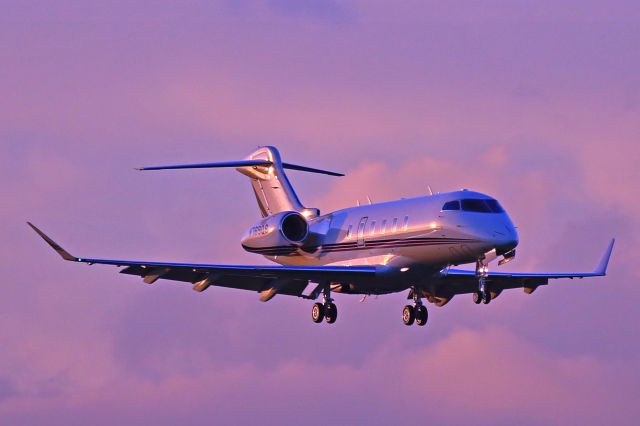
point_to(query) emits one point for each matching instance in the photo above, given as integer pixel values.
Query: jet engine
(280, 233)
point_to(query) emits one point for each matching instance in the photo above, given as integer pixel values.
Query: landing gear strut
(482, 295)
(326, 310)
(418, 312)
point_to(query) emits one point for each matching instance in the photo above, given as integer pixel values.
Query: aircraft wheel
(486, 297)
(477, 297)
(408, 315)
(422, 315)
(317, 312)
(330, 313)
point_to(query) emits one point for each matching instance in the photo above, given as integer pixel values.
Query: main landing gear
(326, 310)
(418, 312)
(483, 294)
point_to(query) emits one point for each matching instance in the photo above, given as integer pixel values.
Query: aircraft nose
(505, 239)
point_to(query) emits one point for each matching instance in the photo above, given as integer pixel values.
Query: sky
(534, 102)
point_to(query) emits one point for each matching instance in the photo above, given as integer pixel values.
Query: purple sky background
(536, 103)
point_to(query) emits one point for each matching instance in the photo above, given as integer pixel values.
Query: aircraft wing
(267, 280)
(459, 281)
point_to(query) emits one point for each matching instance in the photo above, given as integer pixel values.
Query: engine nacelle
(278, 234)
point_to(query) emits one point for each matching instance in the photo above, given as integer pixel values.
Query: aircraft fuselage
(418, 234)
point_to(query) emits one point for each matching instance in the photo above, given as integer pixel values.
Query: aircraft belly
(430, 254)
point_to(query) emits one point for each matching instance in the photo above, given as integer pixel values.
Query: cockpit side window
(451, 205)
(495, 206)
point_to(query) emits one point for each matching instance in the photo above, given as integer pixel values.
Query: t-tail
(265, 169)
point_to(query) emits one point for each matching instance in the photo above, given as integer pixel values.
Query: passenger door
(361, 228)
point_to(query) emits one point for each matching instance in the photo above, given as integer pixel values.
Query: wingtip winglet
(604, 261)
(62, 252)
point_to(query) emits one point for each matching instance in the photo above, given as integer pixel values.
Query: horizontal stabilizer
(241, 163)
(310, 169)
(266, 171)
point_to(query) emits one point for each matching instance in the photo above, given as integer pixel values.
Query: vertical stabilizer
(271, 187)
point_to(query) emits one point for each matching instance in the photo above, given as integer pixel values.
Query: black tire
(330, 313)
(408, 315)
(422, 315)
(477, 297)
(486, 297)
(317, 312)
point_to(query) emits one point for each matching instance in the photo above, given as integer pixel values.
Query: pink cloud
(491, 375)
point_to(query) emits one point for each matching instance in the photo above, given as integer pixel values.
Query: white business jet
(408, 245)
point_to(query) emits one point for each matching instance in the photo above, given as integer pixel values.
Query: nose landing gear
(482, 295)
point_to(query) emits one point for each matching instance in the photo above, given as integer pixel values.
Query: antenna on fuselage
(430, 190)
(369, 200)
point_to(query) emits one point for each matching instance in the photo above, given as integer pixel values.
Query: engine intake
(281, 233)
(294, 227)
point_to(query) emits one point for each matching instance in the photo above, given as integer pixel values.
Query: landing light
(404, 269)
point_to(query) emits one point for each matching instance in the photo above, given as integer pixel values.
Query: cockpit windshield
(476, 205)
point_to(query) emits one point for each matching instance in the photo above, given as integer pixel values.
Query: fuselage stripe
(349, 246)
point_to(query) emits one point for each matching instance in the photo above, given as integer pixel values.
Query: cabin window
(372, 231)
(394, 226)
(383, 227)
(406, 223)
(349, 231)
(451, 205)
